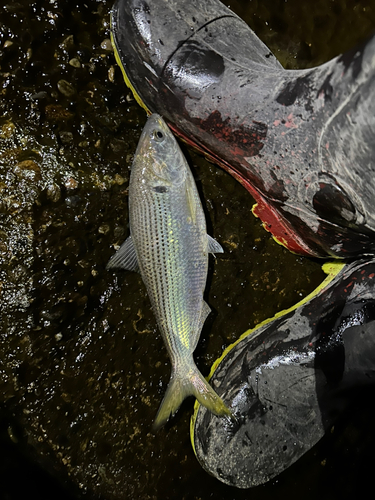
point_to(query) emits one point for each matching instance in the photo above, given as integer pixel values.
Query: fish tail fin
(184, 383)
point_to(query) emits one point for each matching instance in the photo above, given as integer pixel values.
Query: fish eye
(158, 135)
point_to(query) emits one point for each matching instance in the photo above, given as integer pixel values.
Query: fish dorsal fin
(205, 311)
(191, 200)
(214, 246)
(125, 257)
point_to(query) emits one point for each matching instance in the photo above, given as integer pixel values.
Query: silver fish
(169, 245)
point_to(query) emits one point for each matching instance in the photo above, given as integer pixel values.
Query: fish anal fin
(205, 311)
(125, 257)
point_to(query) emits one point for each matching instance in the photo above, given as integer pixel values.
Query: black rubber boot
(288, 380)
(301, 141)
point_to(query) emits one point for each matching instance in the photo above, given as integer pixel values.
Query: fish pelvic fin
(186, 382)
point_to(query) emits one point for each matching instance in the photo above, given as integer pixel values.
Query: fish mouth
(155, 120)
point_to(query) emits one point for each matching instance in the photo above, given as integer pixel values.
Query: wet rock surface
(83, 367)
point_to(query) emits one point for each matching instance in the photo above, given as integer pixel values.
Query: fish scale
(169, 245)
(173, 293)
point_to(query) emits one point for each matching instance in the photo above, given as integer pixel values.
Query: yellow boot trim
(127, 81)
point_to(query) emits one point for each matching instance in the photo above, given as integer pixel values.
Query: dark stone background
(82, 365)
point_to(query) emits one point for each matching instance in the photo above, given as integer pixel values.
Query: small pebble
(111, 74)
(66, 137)
(106, 45)
(56, 113)
(119, 180)
(66, 88)
(104, 229)
(76, 63)
(7, 130)
(53, 192)
(68, 43)
(28, 169)
(71, 183)
(72, 201)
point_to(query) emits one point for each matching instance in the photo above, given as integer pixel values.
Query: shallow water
(83, 367)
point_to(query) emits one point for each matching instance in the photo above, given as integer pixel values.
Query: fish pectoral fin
(214, 246)
(125, 257)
